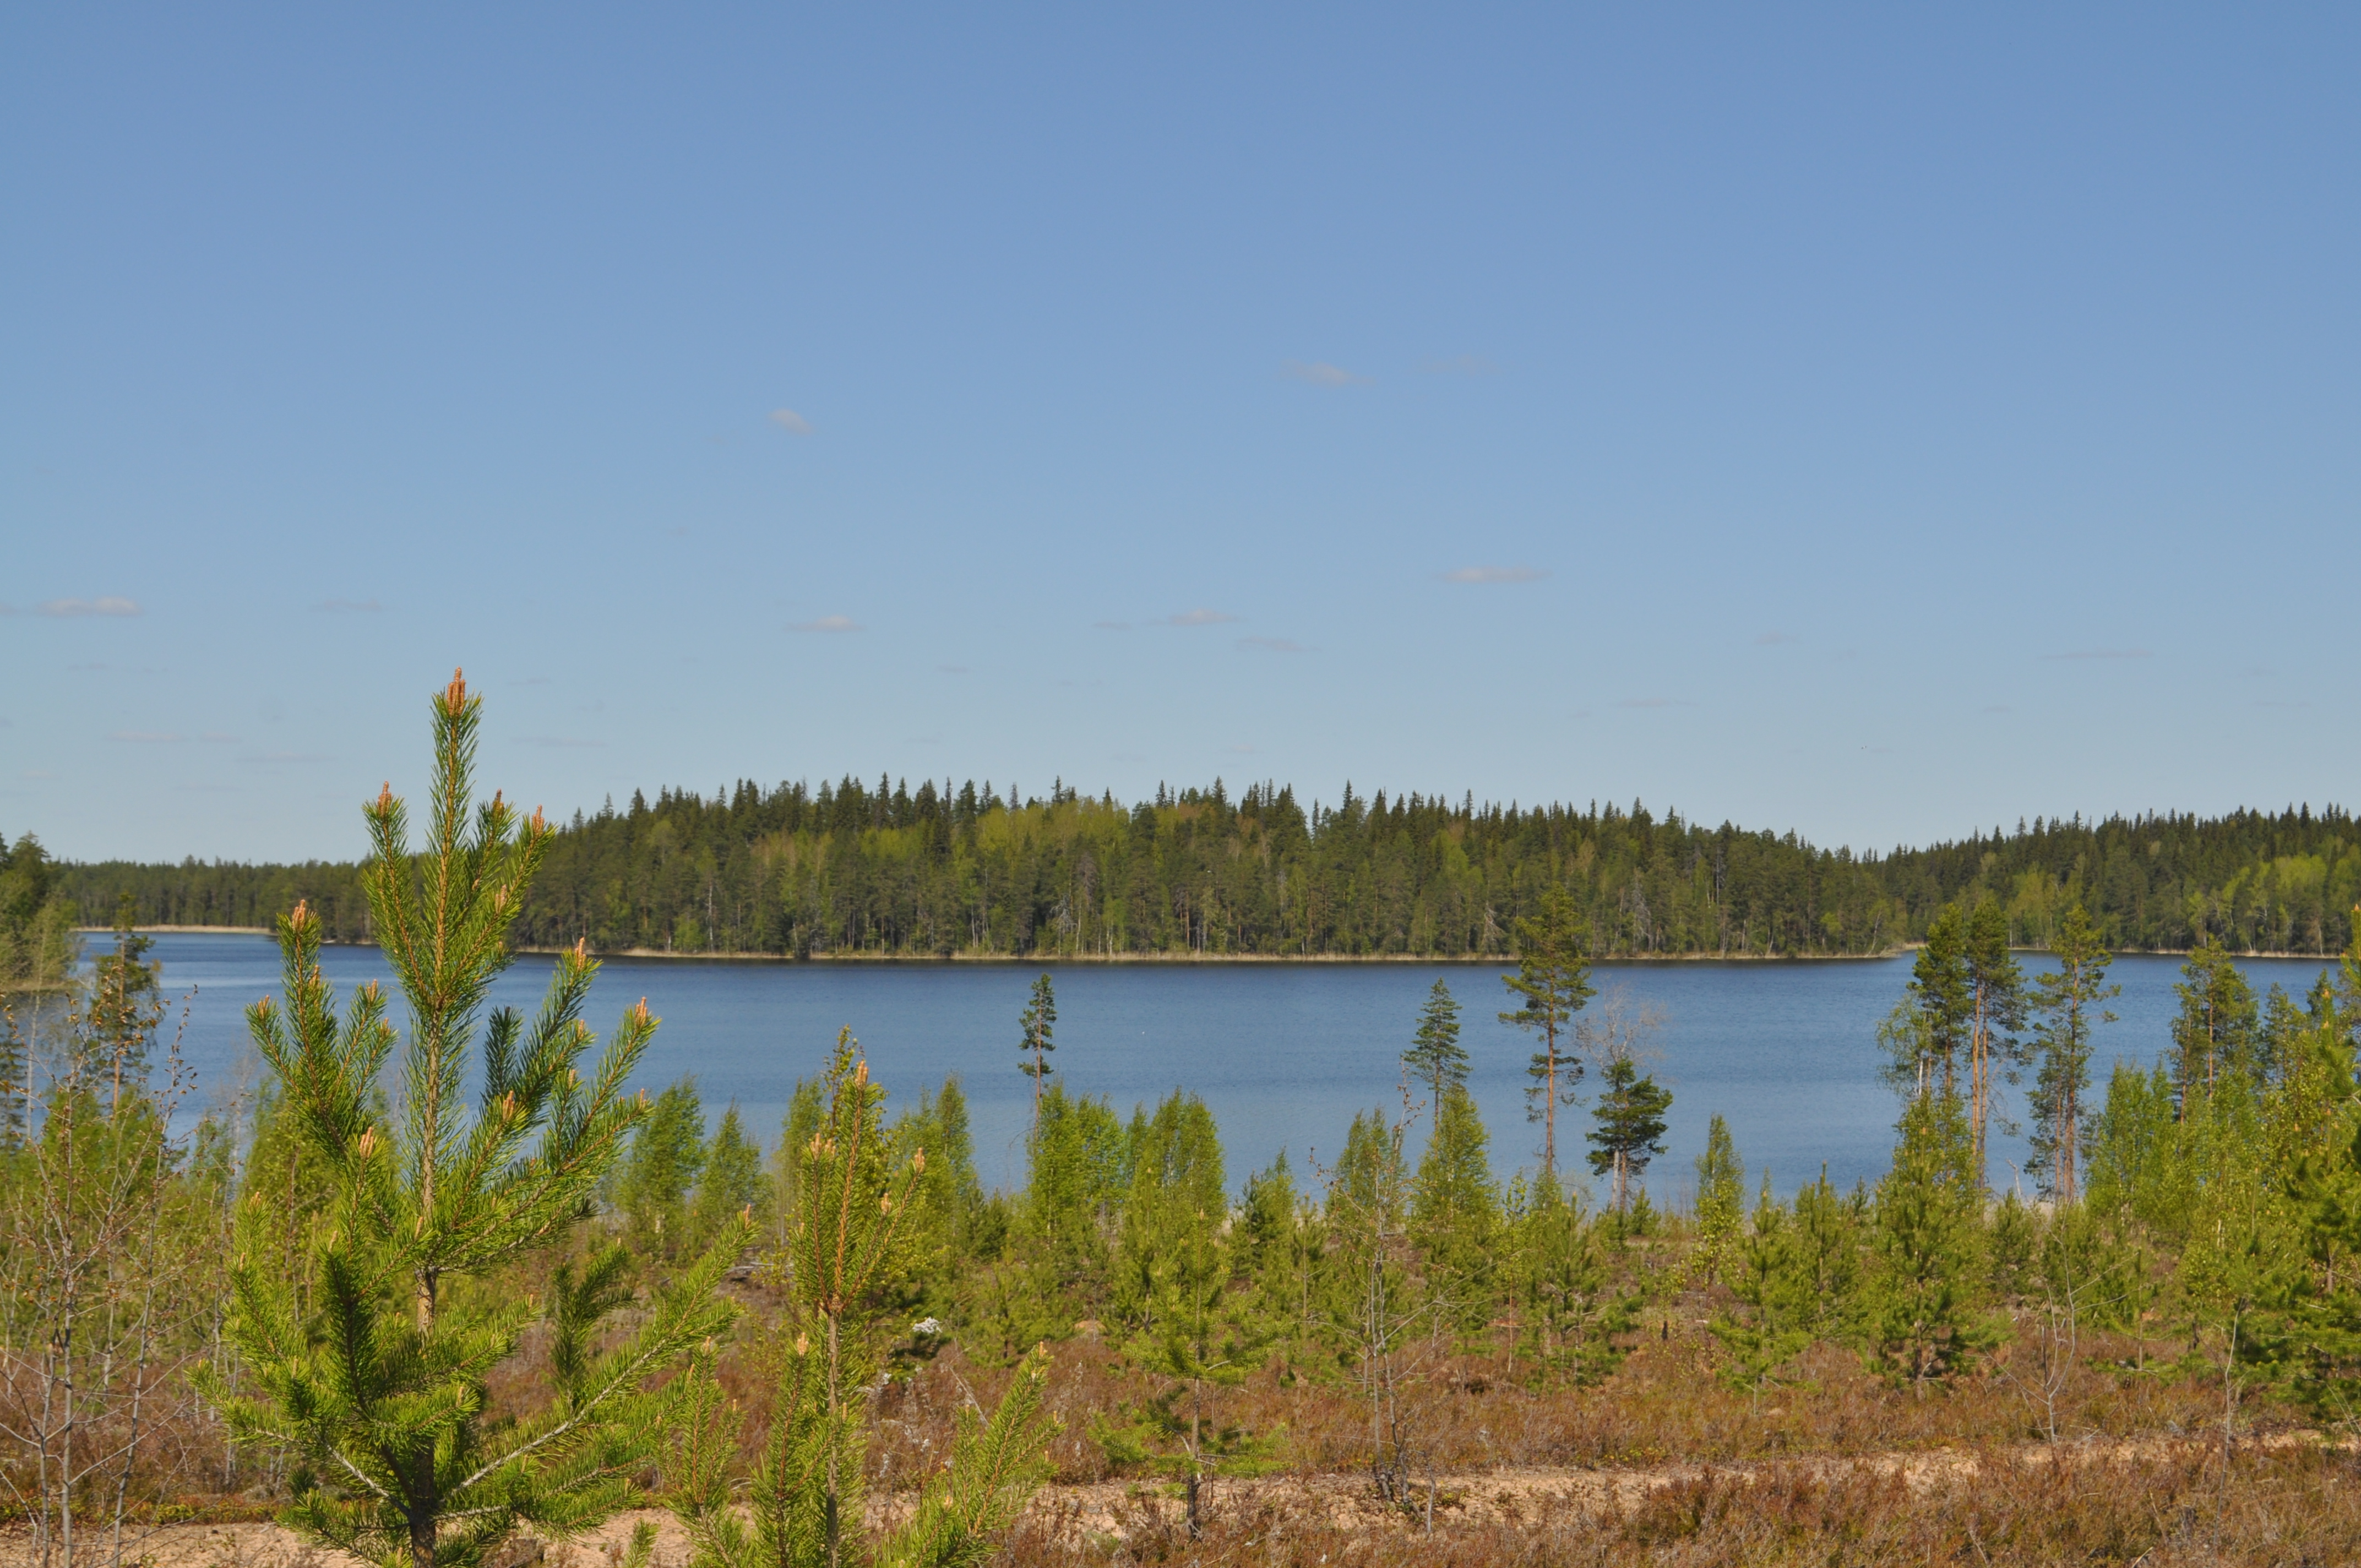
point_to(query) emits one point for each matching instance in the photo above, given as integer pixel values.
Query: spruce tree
(1553, 979)
(1630, 1127)
(2069, 1005)
(368, 1368)
(1436, 1054)
(1038, 1021)
(1721, 1196)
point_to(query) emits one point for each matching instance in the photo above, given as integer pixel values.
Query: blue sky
(1873, 421)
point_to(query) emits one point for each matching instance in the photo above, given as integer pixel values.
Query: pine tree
(1204, 1326)
(1373, 1307)
(1997, 1009)
(1772, 1285)
(653, 1182)
(1039, 1020)
(1924, 1324)
(1828, 1250)
(1454, 1212)
(1554, 980)
(2217, 1024)
(369, 1370)
(1721, 1194)
(730, 1185)
(125, 1006)
(1630, 1127)
(2070, 1005)
(1572, 1307)
(849, 1244)
(1943, 996)
(1436, 1054)
(1176, 1176)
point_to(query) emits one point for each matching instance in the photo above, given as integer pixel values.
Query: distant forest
(850, 870)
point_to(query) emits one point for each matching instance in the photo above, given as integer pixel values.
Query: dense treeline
(855, 869)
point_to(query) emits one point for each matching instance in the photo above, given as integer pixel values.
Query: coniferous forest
(443, 1290)
(853, 871)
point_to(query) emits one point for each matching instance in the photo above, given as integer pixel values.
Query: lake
(1283, 1054)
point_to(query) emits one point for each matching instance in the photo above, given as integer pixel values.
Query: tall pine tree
(1552, 982)
(2069, 1003)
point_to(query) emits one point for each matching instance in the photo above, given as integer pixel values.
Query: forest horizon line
(851, 870)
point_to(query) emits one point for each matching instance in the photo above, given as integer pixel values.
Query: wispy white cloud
(108, 604)
(350, 607)
(1241, 749)
(145, 737)
(827, 623)
(1320, 373)
(1200, 617)
(1274, 644)
(1460, 365)
(38, 773)
(2103, 653)
(1495, 574)
(1772, 639)
(791, 421)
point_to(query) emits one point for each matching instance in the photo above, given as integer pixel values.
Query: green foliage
(1571, 1302)
(1772, 1285)
(1201, 1324)
(122, 1010)
(1924, 1322)
(1435, 1056)
(1552, 982)
(1039, 1021)
(1630, 1127)
(652, 1182)
(2069, 1005)
(888, 868)
(1177, 1189)
(370, 1365)
(1829, 1243)
(1942, 996)
(730, 1188)
(2219, 1027)
(1721, 1194)
(1454, 1212)
(857, 1232)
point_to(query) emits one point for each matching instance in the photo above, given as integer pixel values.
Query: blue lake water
(1283, 1054)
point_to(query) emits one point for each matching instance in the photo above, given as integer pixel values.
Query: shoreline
(1053, 959)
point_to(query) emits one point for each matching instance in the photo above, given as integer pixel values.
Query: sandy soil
(1110, 1509)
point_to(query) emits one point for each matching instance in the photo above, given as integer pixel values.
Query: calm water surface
(1283, 1055)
